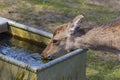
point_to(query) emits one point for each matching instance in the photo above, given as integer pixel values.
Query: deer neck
(105, 36)
(102, 38)
(83, 42)
(95, 38)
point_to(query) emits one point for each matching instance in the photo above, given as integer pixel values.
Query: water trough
(68, 67)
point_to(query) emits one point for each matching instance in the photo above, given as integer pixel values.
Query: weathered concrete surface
(29, 35)
(68, 67)
(24, 31)
(3, 25)
(12, 72)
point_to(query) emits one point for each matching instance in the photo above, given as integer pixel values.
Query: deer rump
(73, 35)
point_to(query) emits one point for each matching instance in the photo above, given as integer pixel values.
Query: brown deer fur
(71, 36)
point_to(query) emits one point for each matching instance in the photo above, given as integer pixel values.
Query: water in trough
(21, 49)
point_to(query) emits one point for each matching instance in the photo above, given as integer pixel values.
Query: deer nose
(46, 57)
(49, 57)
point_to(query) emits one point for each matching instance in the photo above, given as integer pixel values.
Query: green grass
(31, 12)
(93, 13)
(3, 5)
(99, 68)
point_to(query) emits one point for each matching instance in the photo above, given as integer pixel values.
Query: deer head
(64, 39)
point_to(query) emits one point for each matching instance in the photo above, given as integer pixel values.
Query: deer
(72, 35)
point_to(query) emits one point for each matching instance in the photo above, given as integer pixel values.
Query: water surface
(21, 49)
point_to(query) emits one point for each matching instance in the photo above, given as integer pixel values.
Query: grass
(3, 5)
(47, 14)
(97, 13)
(100, 68)
(68, 10)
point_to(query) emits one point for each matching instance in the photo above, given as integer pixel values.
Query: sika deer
(72, 36)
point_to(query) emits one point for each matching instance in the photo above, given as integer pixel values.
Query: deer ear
(75, 24)
(77, 19)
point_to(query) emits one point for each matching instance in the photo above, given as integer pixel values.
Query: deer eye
(56, 41)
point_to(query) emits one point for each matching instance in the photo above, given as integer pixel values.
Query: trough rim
(36, 69)
(25, 27)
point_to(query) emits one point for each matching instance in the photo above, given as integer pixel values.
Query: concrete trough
(3, 26)
(68, 67)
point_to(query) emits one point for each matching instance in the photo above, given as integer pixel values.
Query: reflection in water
(21, 49)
